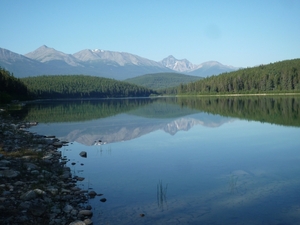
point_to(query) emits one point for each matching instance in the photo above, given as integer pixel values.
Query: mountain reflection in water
(229, 160)
(116, 120)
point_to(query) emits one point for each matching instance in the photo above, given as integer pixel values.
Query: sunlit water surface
(229, 172)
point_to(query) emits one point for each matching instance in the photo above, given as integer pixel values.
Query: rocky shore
(36, 186)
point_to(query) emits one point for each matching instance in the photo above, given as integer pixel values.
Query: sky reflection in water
(190, 169)
(240, 172)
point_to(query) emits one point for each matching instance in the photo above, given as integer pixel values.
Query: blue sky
(238, 33)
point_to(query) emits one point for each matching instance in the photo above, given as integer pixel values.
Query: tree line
(81, 86)
(278, 77)
(162, 81)
(11, 87)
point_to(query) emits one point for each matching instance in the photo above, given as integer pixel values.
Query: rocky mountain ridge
(205, 69)
(110, 64)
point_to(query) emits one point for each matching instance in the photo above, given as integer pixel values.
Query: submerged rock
(103, 200)
(83, 154)
(92, 193)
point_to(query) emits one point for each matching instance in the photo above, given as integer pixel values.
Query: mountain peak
(97, 50)
(43, 48)
(182, 65)
(46, 54)
(170, 57)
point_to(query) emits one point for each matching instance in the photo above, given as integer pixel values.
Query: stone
(66, 175)
(83, 154)
(35, 172)
(37, 209)
(48, 157)
(23, 219)
(4, 168)
(46, 173)
(56, 221)
(24, 205)
(80, 178)
(29, 195)
(57, 144)
(77, 222)
(4, 193)
(52, 190)
(92, 193)
(19, 183)
(103, 200)
(31, 166)
(63, 190)
(39, 192)
(74, 212)
(88, 221)
(89, 207)
(68, 208)
(9, 173)
(4, 162)
(86, 212)
(50, 136)
(55, 209)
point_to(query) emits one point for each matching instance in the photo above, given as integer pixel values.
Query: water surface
(182, 161)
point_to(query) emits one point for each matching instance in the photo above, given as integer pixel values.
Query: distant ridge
(110, 64)
(178, 65)
(158, 81)
(204, 69)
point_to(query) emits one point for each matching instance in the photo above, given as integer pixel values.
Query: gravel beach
(36, 186)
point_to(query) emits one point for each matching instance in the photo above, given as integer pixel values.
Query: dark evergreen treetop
(11, 87)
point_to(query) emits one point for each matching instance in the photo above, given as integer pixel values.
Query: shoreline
(238, 95)
(36, 186)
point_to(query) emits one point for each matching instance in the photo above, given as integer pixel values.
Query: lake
(221, 160)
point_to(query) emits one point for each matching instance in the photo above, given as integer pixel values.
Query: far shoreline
(238, 95)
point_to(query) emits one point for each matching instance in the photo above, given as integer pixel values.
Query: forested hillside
(81, 86)
(276, 77)
(157, 81)
(11, 87)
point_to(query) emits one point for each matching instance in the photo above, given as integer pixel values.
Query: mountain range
(110, 64)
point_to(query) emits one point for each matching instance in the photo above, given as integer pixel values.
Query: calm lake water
(182, 160)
